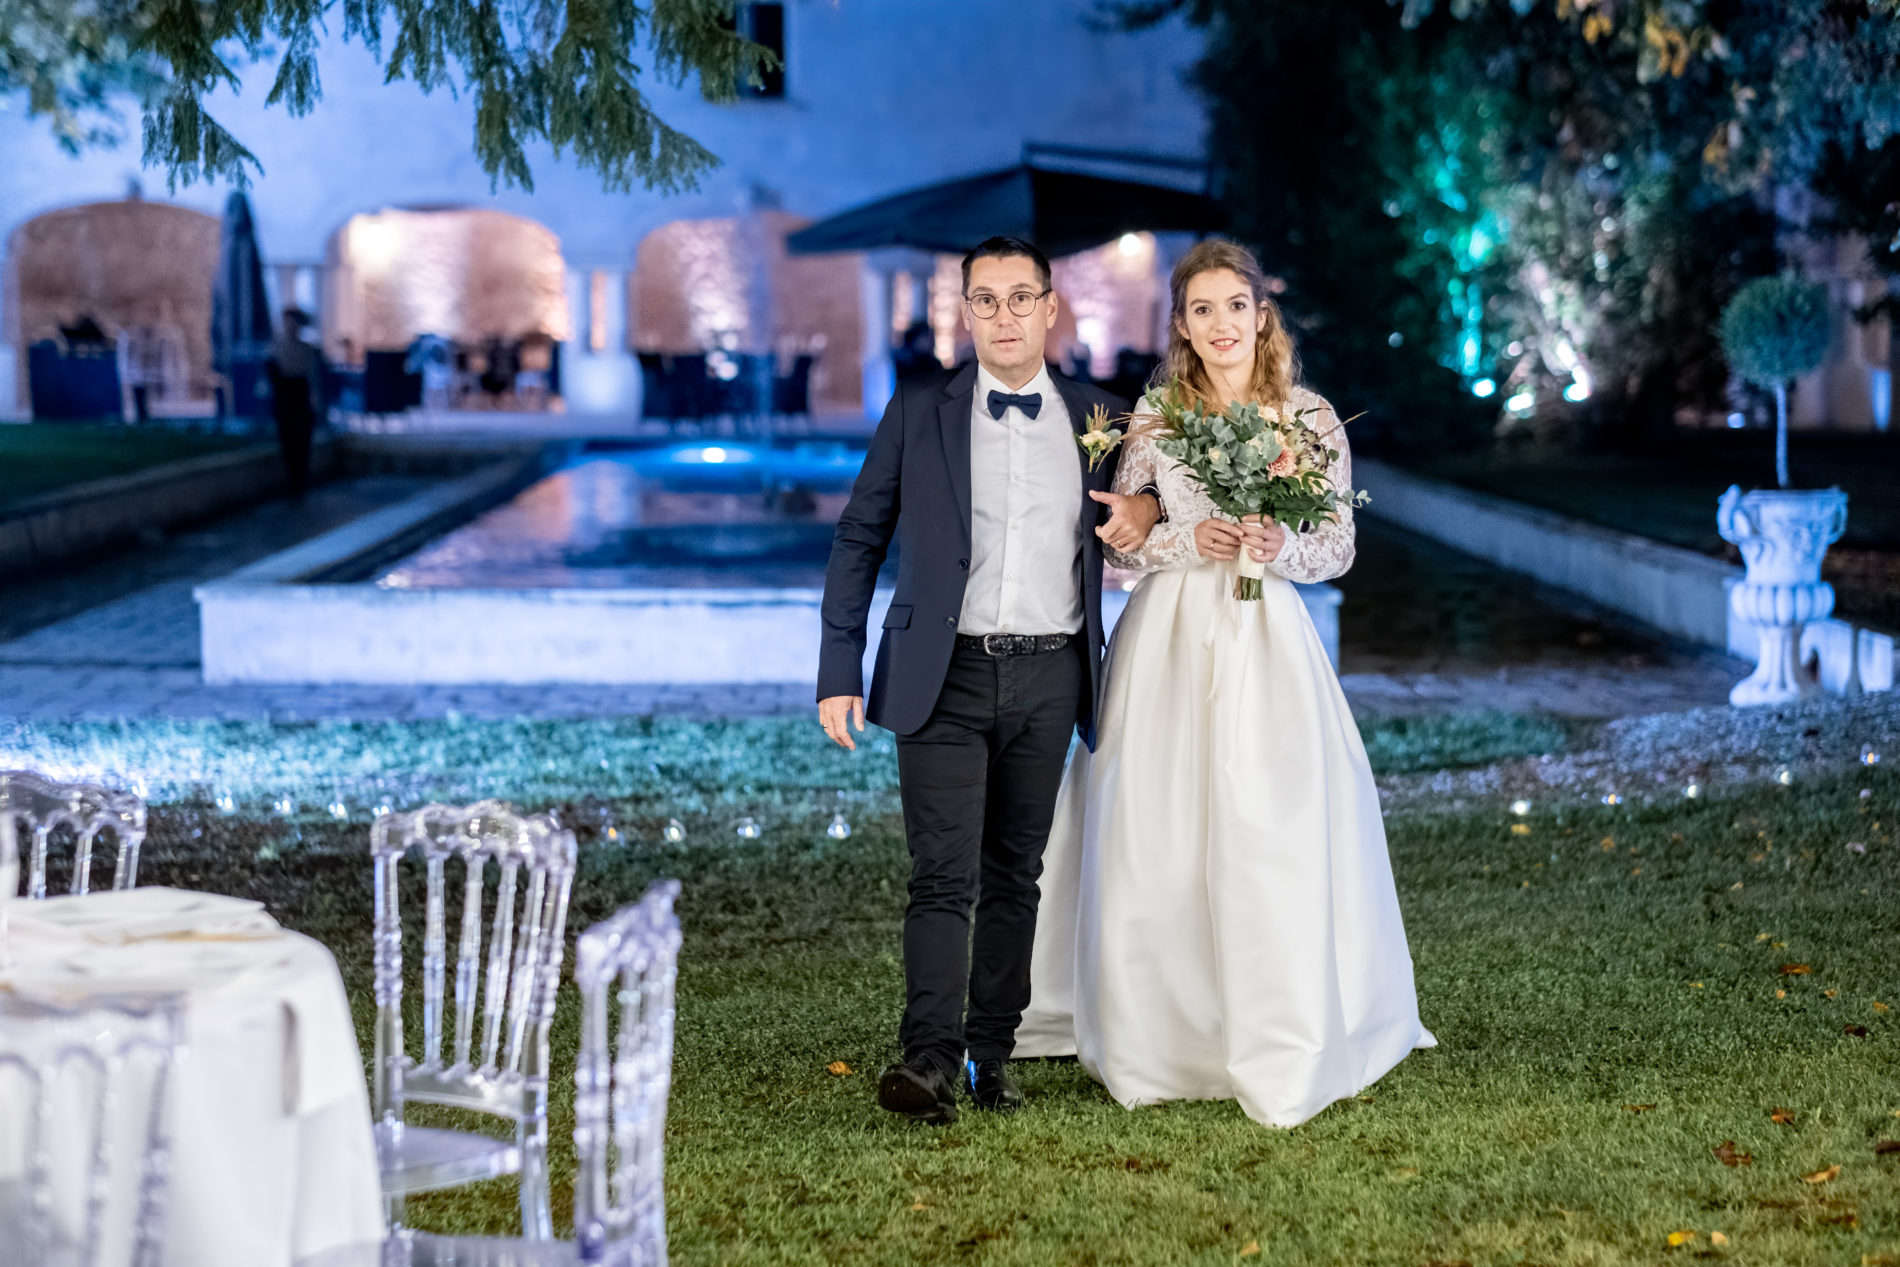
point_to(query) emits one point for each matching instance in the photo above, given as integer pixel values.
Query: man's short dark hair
(1004, 248)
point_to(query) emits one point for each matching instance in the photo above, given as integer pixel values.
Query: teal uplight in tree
(1775, 330)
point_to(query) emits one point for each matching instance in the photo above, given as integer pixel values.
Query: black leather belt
(1000, 644)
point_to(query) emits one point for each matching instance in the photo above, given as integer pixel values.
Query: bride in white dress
(1218, 916)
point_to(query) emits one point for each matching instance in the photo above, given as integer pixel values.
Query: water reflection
(691, 515)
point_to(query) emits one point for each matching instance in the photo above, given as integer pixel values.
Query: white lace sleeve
(1326, 549)
(1171, 544)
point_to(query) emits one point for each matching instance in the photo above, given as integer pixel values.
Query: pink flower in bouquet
(1284, 465)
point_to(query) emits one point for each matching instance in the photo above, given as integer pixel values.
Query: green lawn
(40, 457)
(1607, 986)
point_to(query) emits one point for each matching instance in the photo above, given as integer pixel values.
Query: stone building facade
(373, 213)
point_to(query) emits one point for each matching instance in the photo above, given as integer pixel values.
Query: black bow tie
(1031, 404)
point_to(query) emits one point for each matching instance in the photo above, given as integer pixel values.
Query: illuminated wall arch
(127, 263)
(730, 283)
(464, 273)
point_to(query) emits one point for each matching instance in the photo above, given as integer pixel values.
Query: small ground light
(1692, 791)
(1612, 798)
(613, 833)
(1520, 808)
(338, 810)
(674, 831)
(284, 805)
(749, 828)
(141, 790)
(1784, 776)
(384, 808)
(1869, 755)
(226, 803)
(839, 829)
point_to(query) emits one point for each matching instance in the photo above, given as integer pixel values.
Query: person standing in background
(296, 380)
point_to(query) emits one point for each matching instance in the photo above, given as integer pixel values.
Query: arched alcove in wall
(470, 276)
(729, 284)
(128, 265)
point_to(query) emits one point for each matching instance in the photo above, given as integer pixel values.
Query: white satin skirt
(1218, 916)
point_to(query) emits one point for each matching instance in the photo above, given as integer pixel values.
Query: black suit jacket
(915, 486)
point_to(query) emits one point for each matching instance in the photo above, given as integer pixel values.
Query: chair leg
(537, 1222)
(393, 1210)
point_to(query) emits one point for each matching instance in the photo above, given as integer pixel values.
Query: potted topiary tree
(1775, 330)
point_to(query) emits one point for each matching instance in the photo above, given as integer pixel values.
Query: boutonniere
(1097, 438)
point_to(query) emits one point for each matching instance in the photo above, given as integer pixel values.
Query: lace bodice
(1321, 553)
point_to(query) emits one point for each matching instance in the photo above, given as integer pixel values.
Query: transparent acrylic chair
(627, 963)
(509, 984)
(43, 810)
(76, 1084)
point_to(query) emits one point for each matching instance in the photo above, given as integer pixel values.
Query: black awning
(1062, 212)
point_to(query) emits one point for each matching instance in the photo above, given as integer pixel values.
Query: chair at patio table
(658, 400)
(791, 392)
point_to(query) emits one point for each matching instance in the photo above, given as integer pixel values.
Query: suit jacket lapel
(1078, 422)
(953, 421)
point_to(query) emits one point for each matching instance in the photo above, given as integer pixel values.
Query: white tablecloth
(273, 1158)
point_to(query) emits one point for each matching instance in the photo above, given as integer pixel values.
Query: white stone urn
(1783, 535)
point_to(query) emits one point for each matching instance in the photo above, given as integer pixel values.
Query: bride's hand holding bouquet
(1262, 466)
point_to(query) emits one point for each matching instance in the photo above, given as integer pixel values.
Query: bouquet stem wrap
(1247, 585)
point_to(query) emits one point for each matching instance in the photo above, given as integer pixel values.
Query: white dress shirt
(1025, 516)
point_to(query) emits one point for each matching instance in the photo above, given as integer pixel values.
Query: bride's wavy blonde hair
(1276, 368)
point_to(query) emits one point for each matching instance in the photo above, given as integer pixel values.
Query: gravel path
(1657, 757)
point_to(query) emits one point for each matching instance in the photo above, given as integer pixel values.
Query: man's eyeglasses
(1022, 303)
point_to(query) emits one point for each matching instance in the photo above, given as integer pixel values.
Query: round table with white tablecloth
(272, 1154)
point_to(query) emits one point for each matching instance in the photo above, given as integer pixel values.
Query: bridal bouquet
(1253, 461)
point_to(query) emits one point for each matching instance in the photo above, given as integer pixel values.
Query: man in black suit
(991, 657)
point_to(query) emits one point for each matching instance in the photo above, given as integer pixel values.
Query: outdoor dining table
(273, 1158)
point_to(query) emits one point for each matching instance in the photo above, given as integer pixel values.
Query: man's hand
(1131, 516)
(1264, 540)
(836, 714)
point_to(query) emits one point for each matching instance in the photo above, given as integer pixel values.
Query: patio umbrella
(240, 308)
(1062, 212)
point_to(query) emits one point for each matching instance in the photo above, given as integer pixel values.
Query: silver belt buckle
(986, 642)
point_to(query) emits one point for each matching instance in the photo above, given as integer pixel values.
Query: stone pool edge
(307, 615)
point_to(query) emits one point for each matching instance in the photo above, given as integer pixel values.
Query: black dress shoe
(920, 1090)
(990, 1086)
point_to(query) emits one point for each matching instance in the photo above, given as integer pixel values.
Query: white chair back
(621, 1088)
(93, 1142)
(42, 809)
(510, 983)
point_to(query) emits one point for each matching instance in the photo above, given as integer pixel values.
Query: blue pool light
(711, 454)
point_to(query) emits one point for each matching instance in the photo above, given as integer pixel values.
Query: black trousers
(296, 425)
(979, 783)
